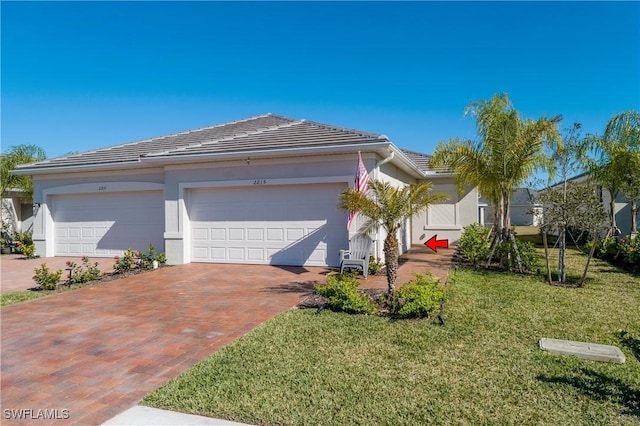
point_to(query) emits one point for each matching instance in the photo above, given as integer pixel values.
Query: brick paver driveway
(17, 272)
(92, 353)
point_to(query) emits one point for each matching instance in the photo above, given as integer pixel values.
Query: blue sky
(83, 75)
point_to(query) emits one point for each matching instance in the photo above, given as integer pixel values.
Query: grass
(482, 367)
(20, 296)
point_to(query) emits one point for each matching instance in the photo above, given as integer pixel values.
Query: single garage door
(278, 225)
(107, 224)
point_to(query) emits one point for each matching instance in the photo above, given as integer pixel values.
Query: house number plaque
(260, 182)
(102, 188)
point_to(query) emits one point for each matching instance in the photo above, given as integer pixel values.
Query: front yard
(482, 367)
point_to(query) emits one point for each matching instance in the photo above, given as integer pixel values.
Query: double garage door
(278, 225)
(104, 225)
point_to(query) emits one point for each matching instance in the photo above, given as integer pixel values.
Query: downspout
(384, 161)
(377, 176)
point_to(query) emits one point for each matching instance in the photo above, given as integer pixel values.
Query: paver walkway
(94, 352)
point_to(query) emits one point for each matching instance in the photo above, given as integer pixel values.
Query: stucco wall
(446, 219)
(176, 180)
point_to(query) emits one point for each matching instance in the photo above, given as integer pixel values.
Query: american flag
(361, 185)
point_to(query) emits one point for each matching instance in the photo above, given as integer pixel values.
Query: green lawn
(20, 296)
(482, 367)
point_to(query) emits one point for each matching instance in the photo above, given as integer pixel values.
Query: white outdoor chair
(357, 256)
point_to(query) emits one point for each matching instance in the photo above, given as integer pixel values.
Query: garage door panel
(107, 224)
(286, 225)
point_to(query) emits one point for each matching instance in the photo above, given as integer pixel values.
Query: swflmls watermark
(35, 414)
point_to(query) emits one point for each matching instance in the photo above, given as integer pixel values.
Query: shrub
(83, 273)
(46, 279)
(23, 237)
(475, 244)
(528, 254)
(127, 262)
(341, 292)
(151, 256)
(28, 250)
(375, 265)
(629, 249)
(419, 298)
(607, 248)
(624, 253)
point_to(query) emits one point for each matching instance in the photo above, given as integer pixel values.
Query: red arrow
(433, 243)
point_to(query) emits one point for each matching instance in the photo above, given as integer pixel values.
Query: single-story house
(525, 208)
(622, 207)
(17, 211)
(259, 190)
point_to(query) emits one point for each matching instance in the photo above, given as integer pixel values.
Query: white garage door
(279, 225)
(107, 224)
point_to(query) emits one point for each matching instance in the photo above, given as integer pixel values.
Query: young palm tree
(508, 151)
(616, 166)
(389, 207)
(20, 154)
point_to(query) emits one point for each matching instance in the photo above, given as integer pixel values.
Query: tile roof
(421, 160)
(265, 132)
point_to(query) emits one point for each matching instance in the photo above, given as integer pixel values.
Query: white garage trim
(182, 235)
(45, 241)
(184, 224)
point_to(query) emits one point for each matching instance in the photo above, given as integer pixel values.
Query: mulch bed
(105, 277)
(315, 301)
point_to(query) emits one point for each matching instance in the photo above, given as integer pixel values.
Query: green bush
(630, 251)
(475, 244)
(151, 256)
(528, 254)
(28, 250)
(23, 237)
(341, 292)
(127, 262)
(607, 248)
(625, 252)
(375, 265)
(136, 259)
(83, 273)
(419, 298)
(46, 279)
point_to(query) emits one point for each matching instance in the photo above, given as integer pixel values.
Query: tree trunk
(612, 213)
(634, 217)
(562, 250)
(507, 212)
(391, 259)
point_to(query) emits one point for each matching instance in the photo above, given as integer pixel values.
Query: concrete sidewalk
(147, 416)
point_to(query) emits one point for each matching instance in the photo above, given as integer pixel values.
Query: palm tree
(615, 168)
(389, 207)
(508, 150)
(20, 154)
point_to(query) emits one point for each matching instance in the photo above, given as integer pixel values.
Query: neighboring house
(17, 211)
(622, 207)
(525, 209)
(260, 190)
